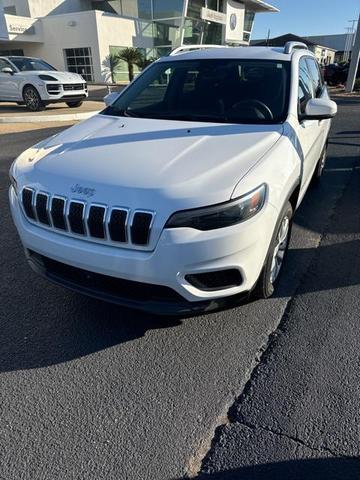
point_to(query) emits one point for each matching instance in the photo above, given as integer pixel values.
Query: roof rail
(186, 48)
(290, 46)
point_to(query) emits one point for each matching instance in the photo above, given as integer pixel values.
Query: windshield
(221, 90)
(30, 64)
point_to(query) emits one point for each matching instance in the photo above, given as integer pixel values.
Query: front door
(311, 133)
(8, 82)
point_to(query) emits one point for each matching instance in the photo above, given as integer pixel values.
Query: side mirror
(8, 70)
(110, 98)
(320, 109)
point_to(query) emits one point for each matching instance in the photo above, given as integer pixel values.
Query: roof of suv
(251, 53)
(19, 56)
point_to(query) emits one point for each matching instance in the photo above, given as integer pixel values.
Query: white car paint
(111, 161)
(12, 85)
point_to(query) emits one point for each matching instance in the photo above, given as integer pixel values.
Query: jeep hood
(146, 163)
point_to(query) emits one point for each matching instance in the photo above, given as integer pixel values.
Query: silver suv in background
(34, 83)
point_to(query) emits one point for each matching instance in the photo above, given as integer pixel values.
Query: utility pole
(355, 56)
(348, 44)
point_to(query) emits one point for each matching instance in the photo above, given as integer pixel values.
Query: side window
(315, 76)
(305, 86)
(4, 64)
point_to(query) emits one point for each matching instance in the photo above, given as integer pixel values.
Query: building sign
(16, 28)
(213, 16)
(235, 16)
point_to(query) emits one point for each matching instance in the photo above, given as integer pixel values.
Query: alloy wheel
(31, 99)
(280, 249)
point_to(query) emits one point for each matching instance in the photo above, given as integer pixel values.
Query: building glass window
(167, 32)
(194, 8)
(144, 8)
(212, 34)
(79, 60)
(10, 10)
(193, 31)
(15, 53)
(167, 9)
(217, 5)
(249, 20)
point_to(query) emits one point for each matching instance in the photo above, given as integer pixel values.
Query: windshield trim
(12, 59)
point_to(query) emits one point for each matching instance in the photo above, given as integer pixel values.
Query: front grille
(117, 225)
(140, 227)
(27, 200)
(42, 208)
(76, 217)
(73, 86)
(90, 220)
(58, 213)
(96, 221)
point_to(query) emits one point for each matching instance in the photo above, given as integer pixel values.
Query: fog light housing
(215, 280)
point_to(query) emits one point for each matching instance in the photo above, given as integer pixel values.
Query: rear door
(310, 132)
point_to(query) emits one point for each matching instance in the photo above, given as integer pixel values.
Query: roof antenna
(268, 38)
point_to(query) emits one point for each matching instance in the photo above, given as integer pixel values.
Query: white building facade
(80, 35)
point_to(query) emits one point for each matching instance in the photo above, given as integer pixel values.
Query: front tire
(32, 99)
(279, 245)
(74, 104)
(320, 167)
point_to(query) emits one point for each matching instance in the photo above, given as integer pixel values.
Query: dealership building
(81, 35)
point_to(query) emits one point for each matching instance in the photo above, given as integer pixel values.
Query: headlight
(221, 215)
(12, 178)
(48, 77)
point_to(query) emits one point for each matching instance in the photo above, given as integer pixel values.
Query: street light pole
(354, 61)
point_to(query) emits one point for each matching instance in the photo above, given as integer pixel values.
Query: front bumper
(179, 252)
(53, 92)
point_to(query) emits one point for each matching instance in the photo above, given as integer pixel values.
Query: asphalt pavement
(94, 391)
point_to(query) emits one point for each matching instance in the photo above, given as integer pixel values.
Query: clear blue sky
(306, 17)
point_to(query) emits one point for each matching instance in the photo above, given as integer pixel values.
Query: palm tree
(109, 64)
(113, 61)
(145, 62)
(132, 56)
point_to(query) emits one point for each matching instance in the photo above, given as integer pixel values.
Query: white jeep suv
(34, 83)
(179, 196)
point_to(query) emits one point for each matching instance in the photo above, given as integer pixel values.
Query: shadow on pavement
(66, 326)
(312, 469)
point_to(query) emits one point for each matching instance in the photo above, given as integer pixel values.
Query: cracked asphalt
(265, 390)
(302, 401)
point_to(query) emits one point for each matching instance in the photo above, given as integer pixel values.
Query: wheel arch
(293, 198)
(28, 84)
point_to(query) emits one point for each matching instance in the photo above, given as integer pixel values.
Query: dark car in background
(336, 74)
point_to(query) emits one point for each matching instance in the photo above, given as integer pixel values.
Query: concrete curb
(48, 118)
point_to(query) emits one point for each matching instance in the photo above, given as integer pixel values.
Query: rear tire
(32, 99)
(270, 274)
(74, 104)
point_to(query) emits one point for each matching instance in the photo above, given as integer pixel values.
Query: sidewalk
(13, 113)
